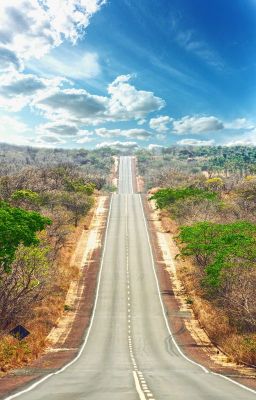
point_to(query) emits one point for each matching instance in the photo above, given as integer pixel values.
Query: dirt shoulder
(191, 338)
(65, 339)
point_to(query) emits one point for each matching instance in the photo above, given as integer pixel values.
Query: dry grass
(14, 354)
(240, 348)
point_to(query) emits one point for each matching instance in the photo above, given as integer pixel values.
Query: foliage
(79, 204)
(17, 226)
(78, 185)
(218, 247)
(26, 196)
(23, 284)
(165, 197)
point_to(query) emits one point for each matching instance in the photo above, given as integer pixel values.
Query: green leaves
(168, 196)
(27, 196)
(219, 246)
(17, 226)
(78, 185)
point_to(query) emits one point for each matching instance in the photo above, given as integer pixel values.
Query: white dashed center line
(140, 383)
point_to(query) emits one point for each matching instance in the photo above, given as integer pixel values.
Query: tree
(22, 287)
(165, 197)
(219, 247)
(26, 198)
(78, 203)
(17, 226)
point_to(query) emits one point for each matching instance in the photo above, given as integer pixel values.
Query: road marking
(141, 389)
(166, 321)
(137, 385)
(90, 326)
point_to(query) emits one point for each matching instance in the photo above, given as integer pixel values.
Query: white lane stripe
(166, 321)
(88, 331)
(130, 159)
(137, 385)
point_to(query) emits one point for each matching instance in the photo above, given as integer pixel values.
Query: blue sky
(127, 74)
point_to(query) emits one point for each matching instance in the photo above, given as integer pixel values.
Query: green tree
(168, 196)
(17, 226)
(26, 197)
(217, 247)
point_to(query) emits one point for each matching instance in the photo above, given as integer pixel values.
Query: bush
(168, 196)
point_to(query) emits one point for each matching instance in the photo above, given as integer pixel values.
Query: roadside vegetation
(45, 199)
(208, 194)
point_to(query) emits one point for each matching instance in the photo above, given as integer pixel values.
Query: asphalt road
(129, 353)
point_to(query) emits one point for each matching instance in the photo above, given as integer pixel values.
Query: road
(129, 353)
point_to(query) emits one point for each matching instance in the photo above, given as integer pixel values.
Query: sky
(127, 73)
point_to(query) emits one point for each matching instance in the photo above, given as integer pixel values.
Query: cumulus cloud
(30, 29)
(119, 145)
(139, 134)
(195, 125)
(9, 61)
(194, 142)
(124, 103)
(160, 124)
(74, 104)
(18, 89)
(58, 128)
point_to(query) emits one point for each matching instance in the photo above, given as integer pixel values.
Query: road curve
(128, 353)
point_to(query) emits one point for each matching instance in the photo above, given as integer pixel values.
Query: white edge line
(131, 174)
(167, 324)
(33, 386)
(160, 298)
(137, 385)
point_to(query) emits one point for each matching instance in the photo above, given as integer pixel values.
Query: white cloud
(18, 90)
(240, 123)
(30, 29)
(72, 104)
(75, 65)
(124, 103)
(189, 41)
(161, 136)
(84, 139)
(194, 142)
(160, 124)
(10, 125)
(139, 134)
(58, 128)
(195, 125)
(247, 139)
(9, 62)
(155, 147)
(142, 121)
(13, 131)
(48, 141)
(119, 145)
